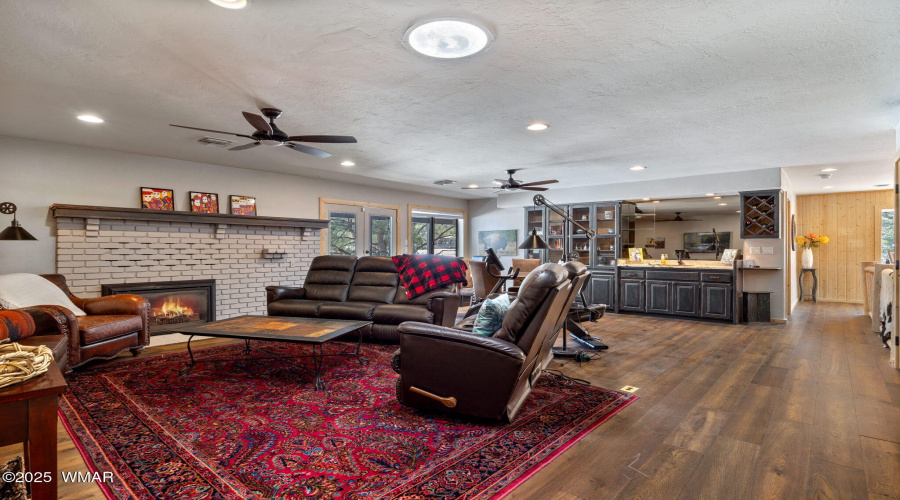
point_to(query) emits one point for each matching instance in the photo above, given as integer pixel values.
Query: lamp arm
(540, 200)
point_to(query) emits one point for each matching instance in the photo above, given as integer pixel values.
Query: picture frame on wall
(503, 241)
(204, 203)
(158, 199)
(243, 205)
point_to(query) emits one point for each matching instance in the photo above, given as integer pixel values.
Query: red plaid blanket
(421, 274)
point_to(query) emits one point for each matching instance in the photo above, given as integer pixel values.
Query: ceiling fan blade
(208, 130)
(532, 189)
(244, 146)
(258, 122)
(538, 183)
(308, 150)
(323, 138)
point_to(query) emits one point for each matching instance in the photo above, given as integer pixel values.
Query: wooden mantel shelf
(88, 212)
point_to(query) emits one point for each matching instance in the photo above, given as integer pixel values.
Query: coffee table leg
(361, 360)
(317, 366)
(246, 346)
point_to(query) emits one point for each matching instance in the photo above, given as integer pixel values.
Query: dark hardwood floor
(810, 409)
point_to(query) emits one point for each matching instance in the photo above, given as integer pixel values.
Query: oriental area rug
(239, 427)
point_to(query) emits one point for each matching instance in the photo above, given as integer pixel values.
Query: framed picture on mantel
(243, 205)
(157, 199)
(207, 203)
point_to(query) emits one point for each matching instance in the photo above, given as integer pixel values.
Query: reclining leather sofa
(361, 289)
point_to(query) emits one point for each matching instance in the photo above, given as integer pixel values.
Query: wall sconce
(15, 231)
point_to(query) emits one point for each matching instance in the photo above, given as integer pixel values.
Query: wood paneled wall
(850, 221)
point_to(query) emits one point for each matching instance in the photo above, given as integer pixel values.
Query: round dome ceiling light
(90, 118)
(232, 4)
(448, 38)
(536, 127)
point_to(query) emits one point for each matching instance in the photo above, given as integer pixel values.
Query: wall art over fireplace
(157, 199)
(207, 203)
(243, 205)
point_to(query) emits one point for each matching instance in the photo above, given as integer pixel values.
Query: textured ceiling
(683, 87)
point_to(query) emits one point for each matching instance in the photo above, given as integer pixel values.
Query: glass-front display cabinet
(579, 243)
(556, 226)
(605, 244)
(534, 219)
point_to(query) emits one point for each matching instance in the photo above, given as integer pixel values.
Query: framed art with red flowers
(205, 203)
(243, 205)
(158, 199)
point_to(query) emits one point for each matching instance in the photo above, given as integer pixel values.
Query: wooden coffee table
(312, 331)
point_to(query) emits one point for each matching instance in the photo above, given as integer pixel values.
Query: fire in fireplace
(173, 304)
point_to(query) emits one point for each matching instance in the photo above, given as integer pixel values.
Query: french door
(360, 231)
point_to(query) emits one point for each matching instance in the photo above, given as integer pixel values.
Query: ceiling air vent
(444, 182)
(215, 141)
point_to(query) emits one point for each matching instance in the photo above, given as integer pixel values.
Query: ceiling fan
(269, 134)
(679, 218)
(514, 184)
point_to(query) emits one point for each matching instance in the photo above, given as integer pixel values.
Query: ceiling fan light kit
(269, 134)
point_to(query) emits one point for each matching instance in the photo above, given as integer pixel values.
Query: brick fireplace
(101, 246)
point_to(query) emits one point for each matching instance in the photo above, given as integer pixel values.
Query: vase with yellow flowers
(809, 242)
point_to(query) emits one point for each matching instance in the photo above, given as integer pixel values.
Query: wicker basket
(19, 363)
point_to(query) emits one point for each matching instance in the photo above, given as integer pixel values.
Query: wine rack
(759, 214)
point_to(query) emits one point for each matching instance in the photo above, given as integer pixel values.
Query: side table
(815, 287)
(28, 415)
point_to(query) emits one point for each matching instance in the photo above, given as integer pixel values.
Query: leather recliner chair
(113, 324)
(456, 371)
(364, 289)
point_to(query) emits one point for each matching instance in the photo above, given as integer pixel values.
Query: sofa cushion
(27, 290)
(394, 314)
(15, 325)
(59, 344)
(98, 328)
(295, 307)
(375, 280)
(329, 277)
(358, 311)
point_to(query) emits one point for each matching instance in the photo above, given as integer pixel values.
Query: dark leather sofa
(361, 289)
(452, 370)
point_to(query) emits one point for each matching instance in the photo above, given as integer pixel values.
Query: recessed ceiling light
(710, 194)
(738, 211)
(538, 127)
(655, 201)
(347, 163)
(646, 199)
(638, 167)
(717, 197)
(829, 170)
(90, 118)
(827, 187)
(473, 186)
(448, 38)
(723, 204)
(231, 4)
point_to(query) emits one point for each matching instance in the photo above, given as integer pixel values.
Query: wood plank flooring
(804, 410)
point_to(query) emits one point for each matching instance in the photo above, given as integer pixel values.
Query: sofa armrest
(56, 320)
(444, 305)
(117, 304)
(274, 293)
(478, 374)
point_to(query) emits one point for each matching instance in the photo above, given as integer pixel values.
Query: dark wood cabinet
(631, 295)
(685, 299)
(715, 301)
(603, 289)
(658, 297)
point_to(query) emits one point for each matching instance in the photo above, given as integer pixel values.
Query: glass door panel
(342, 233)
(360, 231)
(381, 235)
(556, 226)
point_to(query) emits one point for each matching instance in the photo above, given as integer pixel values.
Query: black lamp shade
(534, 242)
(15, 232)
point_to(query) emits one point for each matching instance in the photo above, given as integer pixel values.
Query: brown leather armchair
(113, 323)
(452, 370)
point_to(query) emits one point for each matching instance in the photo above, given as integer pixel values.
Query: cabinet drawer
(673, 275)
(631, 273)
(716, 277)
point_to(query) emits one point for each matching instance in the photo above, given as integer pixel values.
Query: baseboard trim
(779, 321)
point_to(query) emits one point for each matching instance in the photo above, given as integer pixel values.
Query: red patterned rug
(247, 428)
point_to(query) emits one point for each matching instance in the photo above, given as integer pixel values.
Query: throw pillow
(490, 316)
(15, 325)
(27, 290)
(420, 274)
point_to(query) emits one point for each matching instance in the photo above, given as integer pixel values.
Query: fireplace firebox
(173, 304)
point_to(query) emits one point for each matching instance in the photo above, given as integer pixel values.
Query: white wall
(673, 232)
(37, 174)
(791, 195)
(485, 216)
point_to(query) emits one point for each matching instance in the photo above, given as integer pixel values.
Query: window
(434, 235)
(887, 234)
(342, 234)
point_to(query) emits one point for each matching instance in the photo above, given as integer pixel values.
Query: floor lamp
(535, 242)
